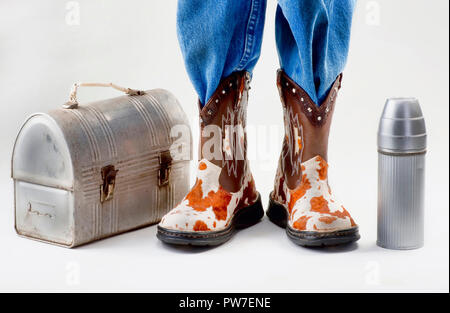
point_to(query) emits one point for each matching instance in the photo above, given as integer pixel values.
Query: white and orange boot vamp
(208, 206)
(313, 216)
(312, 206)
(209, 214)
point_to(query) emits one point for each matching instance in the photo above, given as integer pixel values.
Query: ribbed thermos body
(401, 201)
(401, 175)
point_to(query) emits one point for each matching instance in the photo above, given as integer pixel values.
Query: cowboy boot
(302, 200)
(224, 197)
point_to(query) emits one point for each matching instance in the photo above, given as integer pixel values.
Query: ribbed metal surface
(401, 201)
(58, 160)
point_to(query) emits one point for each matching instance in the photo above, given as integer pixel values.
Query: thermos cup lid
(402, 127)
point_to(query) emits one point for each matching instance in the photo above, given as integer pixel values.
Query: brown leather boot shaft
(307, 126)
(222, 125)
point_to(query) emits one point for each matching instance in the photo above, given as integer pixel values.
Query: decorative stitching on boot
(227, 86)
(317, 115)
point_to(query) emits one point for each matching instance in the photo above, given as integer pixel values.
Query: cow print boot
(224, 197)
(302, 200)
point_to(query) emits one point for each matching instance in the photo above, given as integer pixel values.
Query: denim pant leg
(313, 39)
(218, 38)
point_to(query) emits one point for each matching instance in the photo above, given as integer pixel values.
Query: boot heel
(250, 215)
(276, 213)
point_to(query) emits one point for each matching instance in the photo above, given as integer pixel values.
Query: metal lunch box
(86, 172)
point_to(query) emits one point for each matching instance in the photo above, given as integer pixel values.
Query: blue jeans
(221, 37)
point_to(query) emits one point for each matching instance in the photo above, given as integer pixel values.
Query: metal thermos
(401, 175)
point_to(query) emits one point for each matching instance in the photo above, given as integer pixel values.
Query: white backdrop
(398, 48)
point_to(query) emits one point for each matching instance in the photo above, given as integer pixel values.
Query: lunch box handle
(73, 102)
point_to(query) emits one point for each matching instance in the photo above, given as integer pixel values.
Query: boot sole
(243, 218)
(278, 215)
